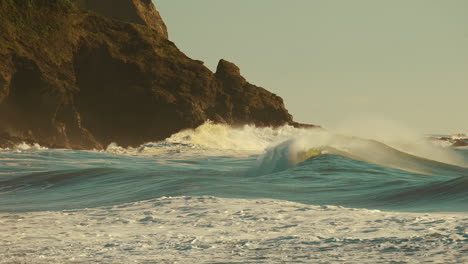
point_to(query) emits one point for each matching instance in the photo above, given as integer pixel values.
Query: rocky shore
(457, 140)
(81, 74)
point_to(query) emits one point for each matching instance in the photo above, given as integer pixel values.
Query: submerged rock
(85, 74)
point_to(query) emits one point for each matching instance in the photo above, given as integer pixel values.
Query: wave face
(309, 166)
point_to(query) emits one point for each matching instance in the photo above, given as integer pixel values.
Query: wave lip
(287, 146)
(305, 165)
(313, 143)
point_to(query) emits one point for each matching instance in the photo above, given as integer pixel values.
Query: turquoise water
(354, 173)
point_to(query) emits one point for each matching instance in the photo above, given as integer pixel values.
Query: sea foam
(210, 229)
(280, 148)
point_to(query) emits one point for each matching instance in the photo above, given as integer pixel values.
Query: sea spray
(247, 137)
(399, 136)
(284, 147)
(312, 166)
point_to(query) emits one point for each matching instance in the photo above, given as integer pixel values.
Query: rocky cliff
(141, 12)
(86, 73)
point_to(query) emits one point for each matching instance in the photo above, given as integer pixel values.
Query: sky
(333, 61)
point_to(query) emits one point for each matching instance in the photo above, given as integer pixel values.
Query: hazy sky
(335, 60)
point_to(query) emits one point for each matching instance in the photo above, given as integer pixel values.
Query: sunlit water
(249, 179)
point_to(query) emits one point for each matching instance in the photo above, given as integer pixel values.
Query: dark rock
(240, 102)
(75, 79)
(454, 142)
(134, 11)
(306, 126)
(460, 143)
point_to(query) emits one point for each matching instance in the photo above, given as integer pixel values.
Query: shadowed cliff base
(82, 74)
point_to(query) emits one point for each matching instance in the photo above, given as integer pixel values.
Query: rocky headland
(84, 73)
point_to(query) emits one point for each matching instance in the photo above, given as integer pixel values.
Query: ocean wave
(311, 166)
(451, 192)
(210, 136)
(248, 137)
(291, 146)
(284, 147)
(299, 149)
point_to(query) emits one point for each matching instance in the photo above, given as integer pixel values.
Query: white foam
(284, 147)
(209, 229)
(458, 136)
(116, 149)
(28, 147)
(248, 137)
(23, 147)
(352, 137)
(215, 139)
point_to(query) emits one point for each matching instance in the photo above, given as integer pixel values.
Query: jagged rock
(453, 141)
(460, 143)
(134, 11)
(247, 103)
(75, 79)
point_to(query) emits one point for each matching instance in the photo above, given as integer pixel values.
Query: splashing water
(202, 193)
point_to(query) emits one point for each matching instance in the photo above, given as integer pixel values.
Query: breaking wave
(298, 141)
(313, 166)
(286, 146)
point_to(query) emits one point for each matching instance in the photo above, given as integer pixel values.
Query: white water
(358, 140)
(215, 230)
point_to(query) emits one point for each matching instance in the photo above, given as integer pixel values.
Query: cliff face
(140, 12)
(76, 79)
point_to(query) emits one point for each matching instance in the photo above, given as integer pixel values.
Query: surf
(311, 166)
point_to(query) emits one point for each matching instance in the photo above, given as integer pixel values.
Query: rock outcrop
(72, 78)
(133, 11)
(454, 141)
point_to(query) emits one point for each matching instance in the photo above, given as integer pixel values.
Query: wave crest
(283, 147)
(23, 147)
(247, 137)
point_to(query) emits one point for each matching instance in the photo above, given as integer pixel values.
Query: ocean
(221, 194)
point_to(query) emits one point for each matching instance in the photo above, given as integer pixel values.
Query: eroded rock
(76, 79)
